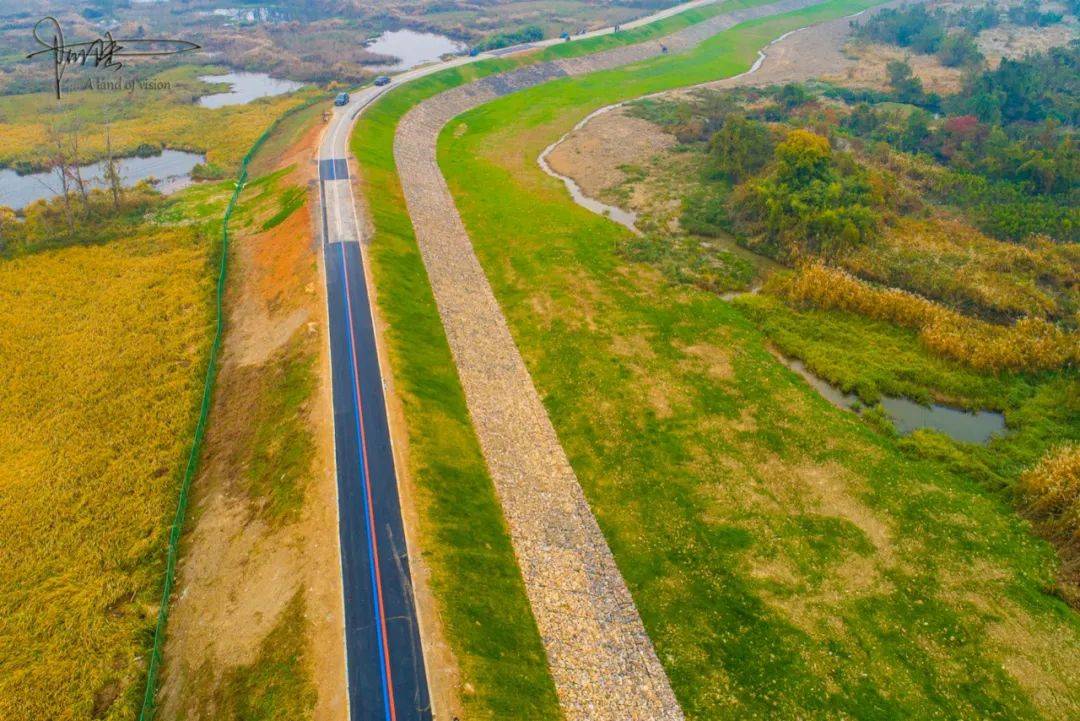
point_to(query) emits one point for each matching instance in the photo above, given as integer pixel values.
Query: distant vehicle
(341, 99)
(473, 52)
(382, 80)
(565, 36)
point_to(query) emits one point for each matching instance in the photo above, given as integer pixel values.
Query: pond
(412, 48)
(172, 170)
(245, 87)
(907, 415)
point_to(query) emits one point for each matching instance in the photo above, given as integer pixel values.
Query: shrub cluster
(528, 34)
(1030, 344)
(814, 201)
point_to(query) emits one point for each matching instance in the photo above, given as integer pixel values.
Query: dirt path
(602, 661)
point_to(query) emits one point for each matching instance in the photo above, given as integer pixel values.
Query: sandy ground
(1011, 41)
(865, 63)
(610, 142)
(237, 573)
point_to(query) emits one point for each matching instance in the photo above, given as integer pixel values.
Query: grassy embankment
(787, 558)
(978, 333)
(104, 350)
(475, 576)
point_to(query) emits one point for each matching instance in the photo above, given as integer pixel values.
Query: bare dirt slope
(242, 565)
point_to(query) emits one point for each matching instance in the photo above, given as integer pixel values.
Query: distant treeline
(951, 34)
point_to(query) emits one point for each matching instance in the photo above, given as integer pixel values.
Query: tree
(916, 131)
(112, 170)
(60, 164)
(813, 202)
(792, 96)
(959, 49)
(862, 120)
(802, 157)
(740, 148)
(908, 88)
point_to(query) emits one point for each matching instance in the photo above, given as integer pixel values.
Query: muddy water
(907, 415)
(626, 218)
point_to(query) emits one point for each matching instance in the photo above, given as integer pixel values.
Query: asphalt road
(385, 668)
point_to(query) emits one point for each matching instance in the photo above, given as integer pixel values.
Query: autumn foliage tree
(814, 201)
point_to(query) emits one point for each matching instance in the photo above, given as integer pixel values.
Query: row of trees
(528, 34)
(1044, 160)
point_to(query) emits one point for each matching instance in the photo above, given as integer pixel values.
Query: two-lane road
(384, 658)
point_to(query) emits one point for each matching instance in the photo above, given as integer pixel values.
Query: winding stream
(907, 415)
(626, 218)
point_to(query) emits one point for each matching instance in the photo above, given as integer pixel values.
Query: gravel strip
(602, 661)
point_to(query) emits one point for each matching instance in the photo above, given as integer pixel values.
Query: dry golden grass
(103, 353)
(101, 360)
(1052, 492)
(956, 264)
(1030, 344)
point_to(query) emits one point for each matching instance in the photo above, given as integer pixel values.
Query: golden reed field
(1030, 344)
(103, 351)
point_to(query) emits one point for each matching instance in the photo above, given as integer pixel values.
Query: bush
(529, 34)
(1030, 89)
(705, 213)
(739, 149)
(813, 202)
(1029, 13)
(959, 49)
(908, 88)
(914, 27)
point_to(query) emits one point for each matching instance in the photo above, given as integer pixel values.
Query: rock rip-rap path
(601, 659)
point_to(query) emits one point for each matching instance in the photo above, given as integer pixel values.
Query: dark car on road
(341, 99)
(382, 80)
